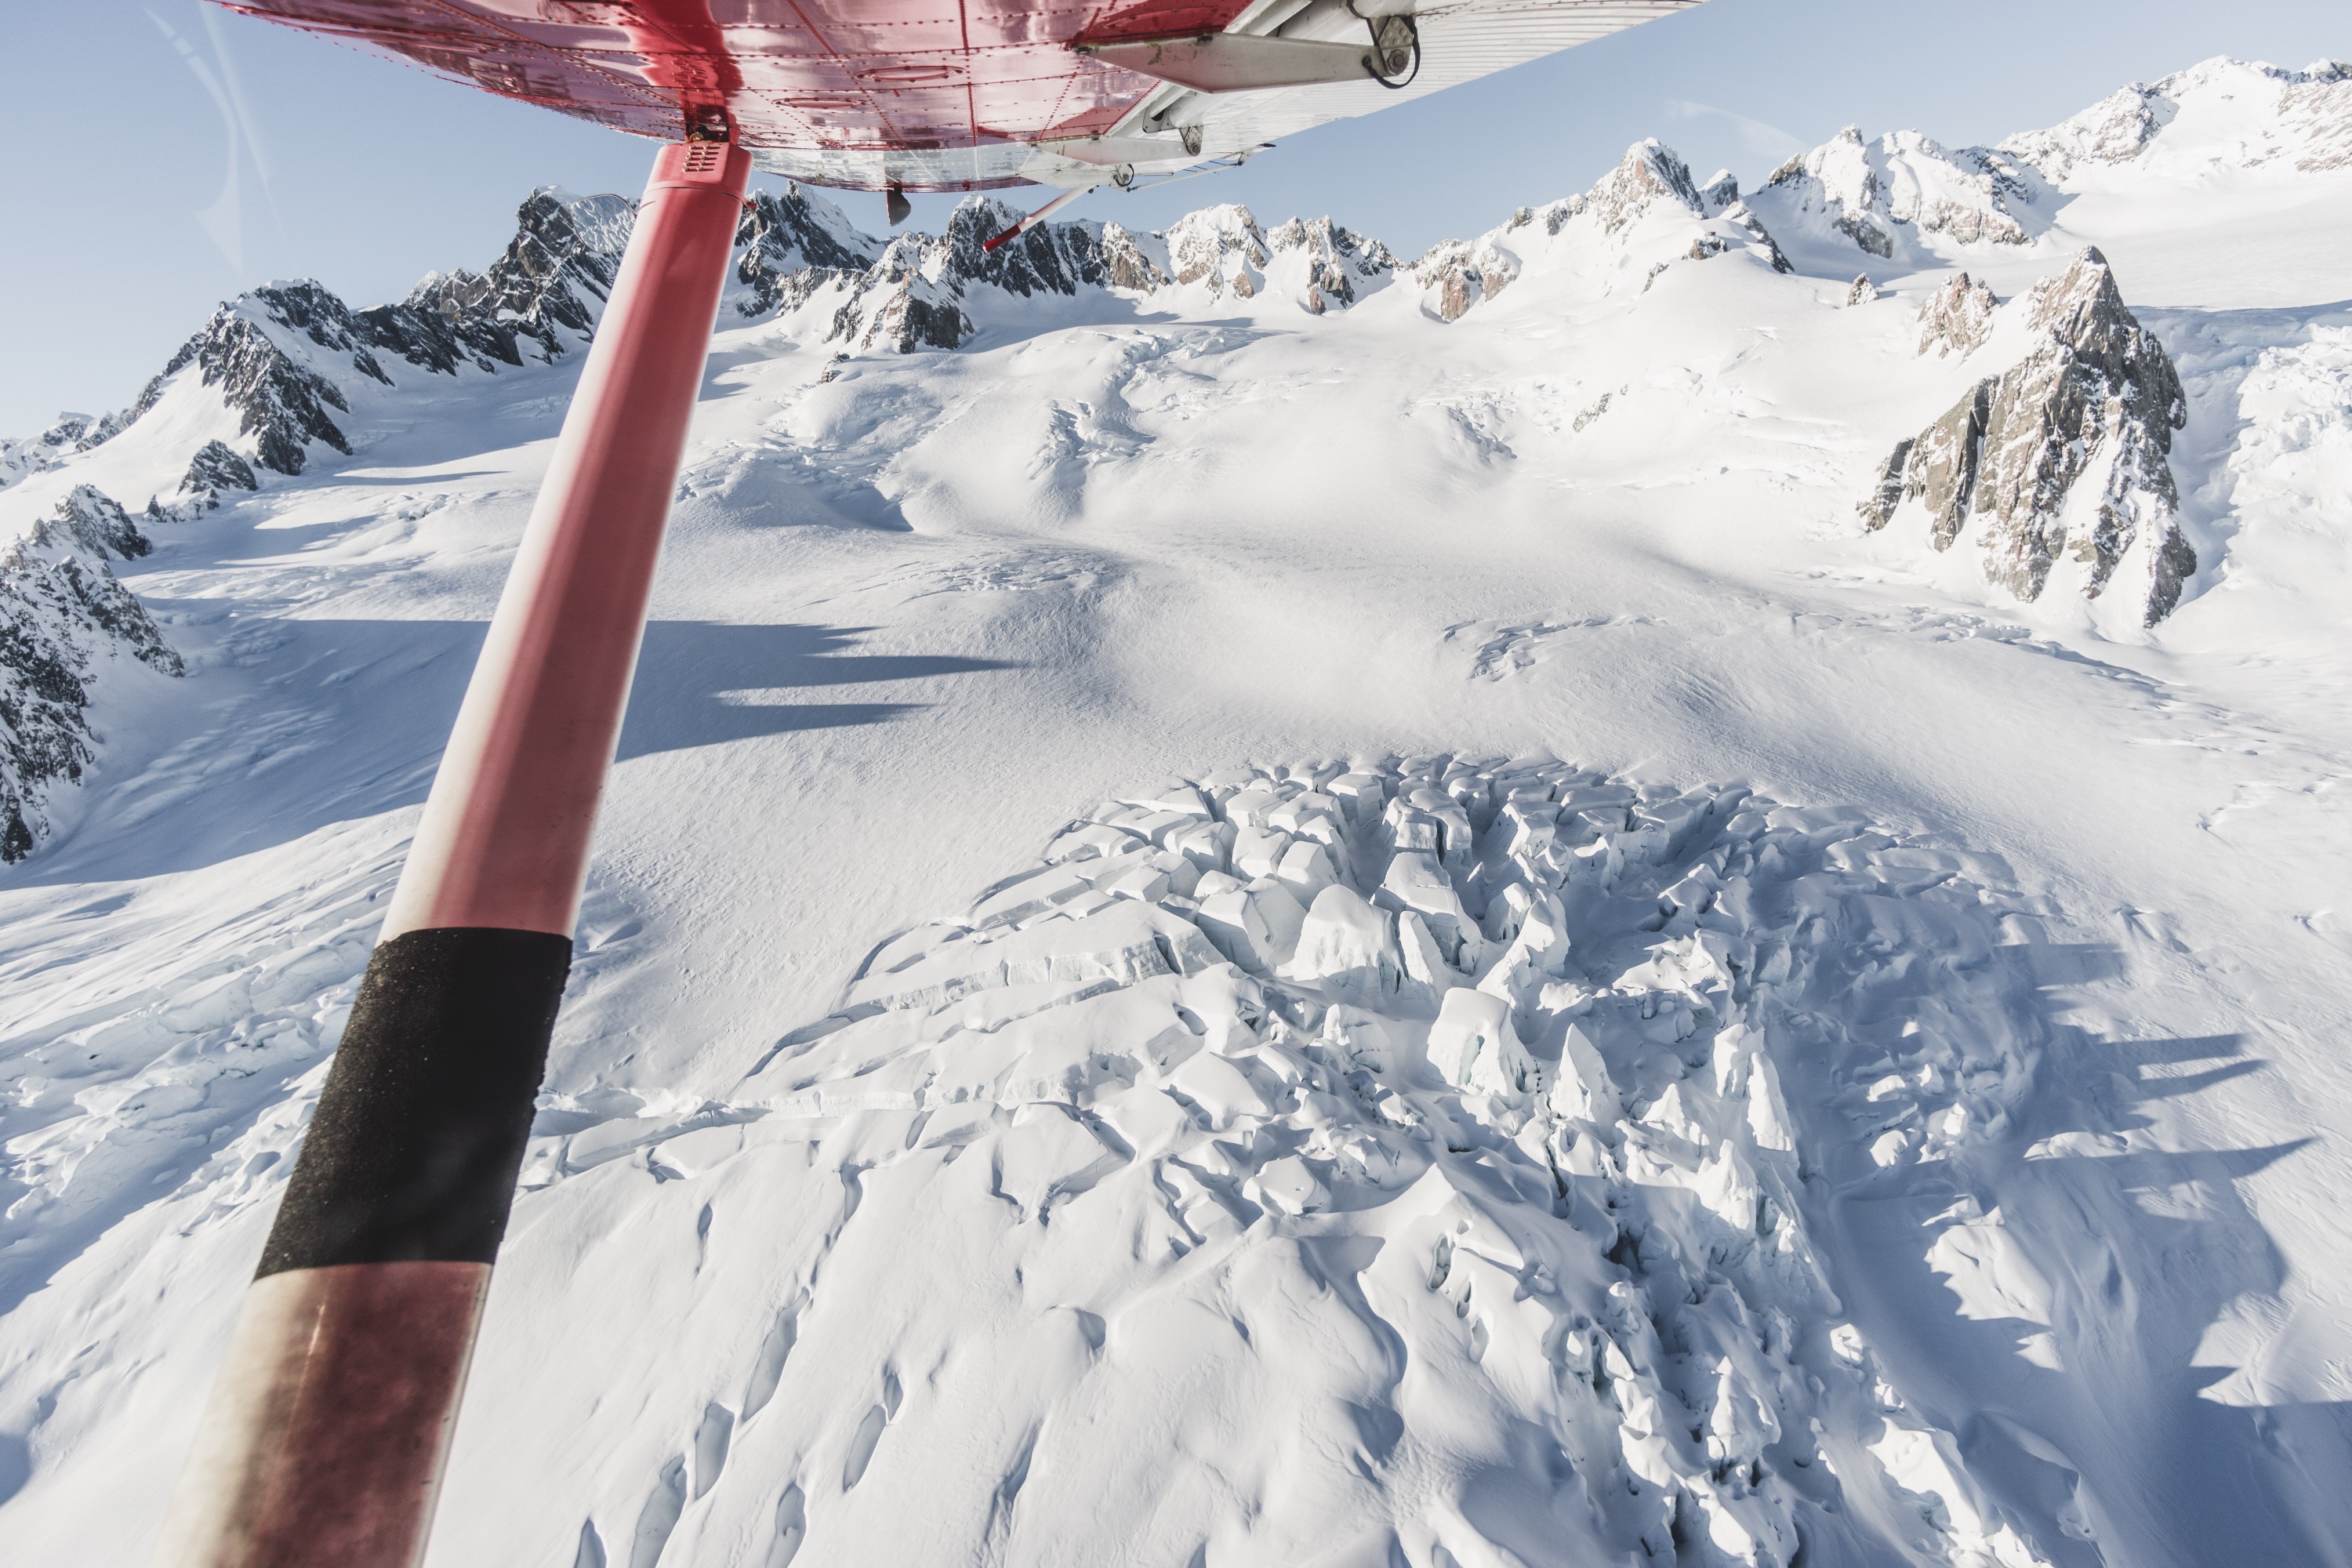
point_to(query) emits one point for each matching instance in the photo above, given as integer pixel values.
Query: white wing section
(1174, 127)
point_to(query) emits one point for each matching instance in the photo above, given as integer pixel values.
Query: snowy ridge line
(1904, 198)
(1569, 1050)
(64, 618)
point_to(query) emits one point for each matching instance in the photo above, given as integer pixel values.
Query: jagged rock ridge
(62, 614)
(2063, 454)
(263, 351)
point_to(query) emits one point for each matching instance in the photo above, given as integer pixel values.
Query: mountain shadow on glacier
(702, 683)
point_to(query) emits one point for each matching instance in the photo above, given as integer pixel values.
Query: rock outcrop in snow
(1456, 274)
(1220, 249)
(1957, 317)
(785, 233)
(2063, 456)
(1341, 266)
(912, 294)
(63, 617)
(215, 468)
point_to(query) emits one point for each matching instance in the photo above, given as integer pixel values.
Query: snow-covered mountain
(2062, 458)
(2216, 139)
(1107, 1024)
(63, 612)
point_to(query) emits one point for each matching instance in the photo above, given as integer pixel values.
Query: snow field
(1401, 1141)
(1428, 1157)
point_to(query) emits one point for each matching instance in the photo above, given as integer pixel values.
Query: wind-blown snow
(1102, 1028)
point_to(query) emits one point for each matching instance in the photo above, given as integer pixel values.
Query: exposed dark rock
(2102, 386)
(1957, 317)
(98, 525)
(2097, 403)
(782, 235)
(551, 282)
(1221, 247)
(216, 468)
(1649, 172)
(1446, 269)
(1457, 274)
(1887, 194)
(1878, 508)
(1863, 292)
(32, 454)
(1746, 222)
(1944, 464)
(1051, 259)
(1337, 260)
(281, 402)
(62, 611)
(552, 279)
(1125, 263)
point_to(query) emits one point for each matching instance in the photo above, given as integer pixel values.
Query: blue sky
(160, 154)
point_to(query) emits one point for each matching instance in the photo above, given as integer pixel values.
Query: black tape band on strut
(419, 1134)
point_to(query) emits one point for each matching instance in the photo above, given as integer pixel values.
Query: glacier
(1270, 903)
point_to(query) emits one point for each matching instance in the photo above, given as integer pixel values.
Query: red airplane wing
(959, 94)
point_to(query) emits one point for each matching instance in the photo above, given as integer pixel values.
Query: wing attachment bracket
(1247, 62)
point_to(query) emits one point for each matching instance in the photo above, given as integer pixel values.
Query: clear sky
(162, 154)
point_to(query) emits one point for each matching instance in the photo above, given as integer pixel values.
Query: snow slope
(1290, 924)
(2225, 185)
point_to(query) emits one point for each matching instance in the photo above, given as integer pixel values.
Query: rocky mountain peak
(554, 278)
(1221, 247)
(783, 233)
(1458, 273)
(1650, 172)
(1340, 263)
(2115, 130)
(268, 350)
(1128, 263)
(1050, 258)
(1643, 215)
(2063, 458)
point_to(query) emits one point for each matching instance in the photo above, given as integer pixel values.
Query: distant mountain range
(2073, 410)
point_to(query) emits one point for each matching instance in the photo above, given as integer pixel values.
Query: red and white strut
(326, 1435)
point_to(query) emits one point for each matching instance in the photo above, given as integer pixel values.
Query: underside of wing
(943, 95)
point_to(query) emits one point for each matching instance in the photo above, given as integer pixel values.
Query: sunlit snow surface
(1883, 1092)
